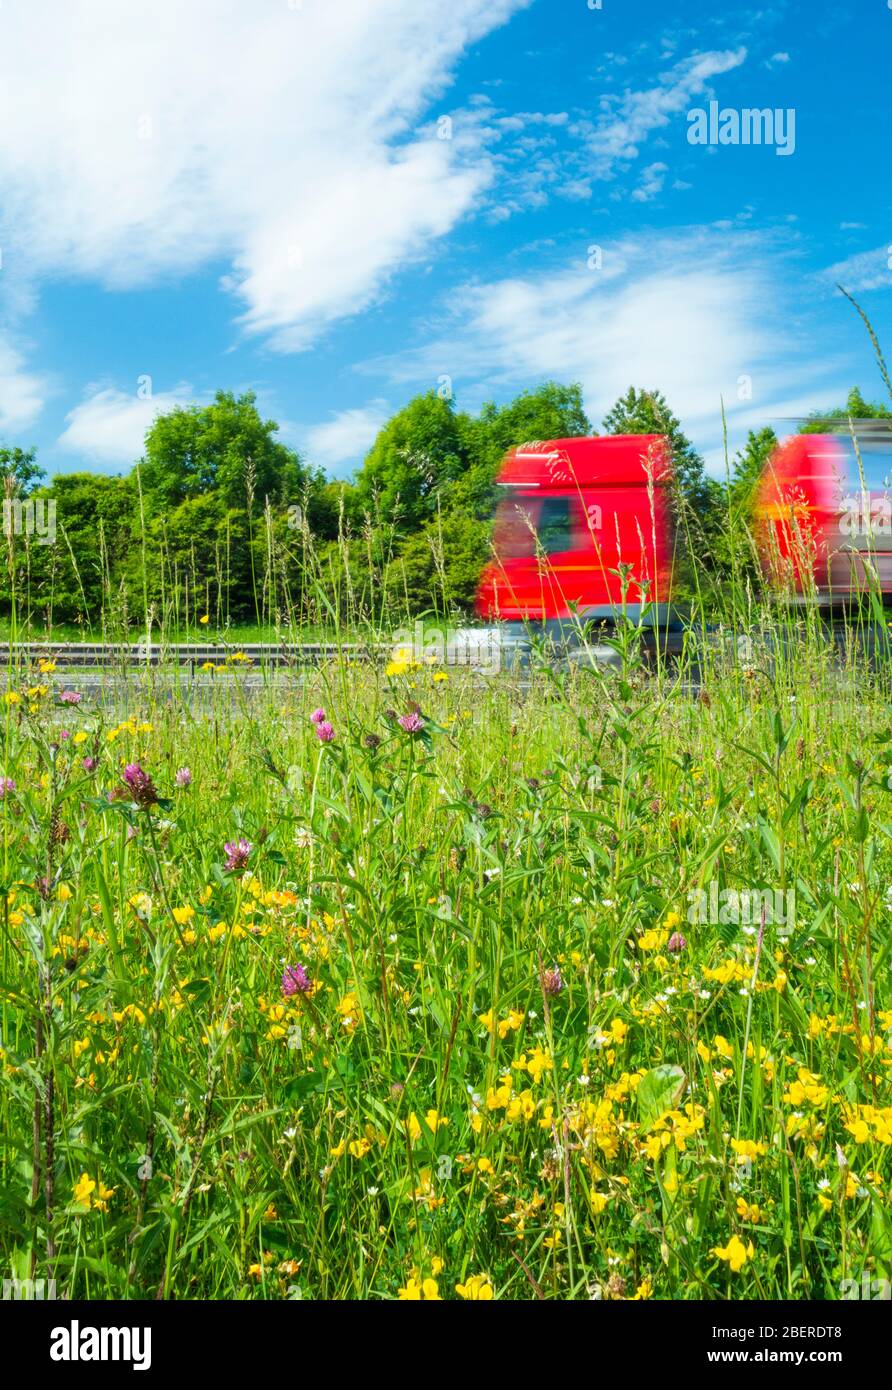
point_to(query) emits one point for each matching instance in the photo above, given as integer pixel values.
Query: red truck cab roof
(583, 526)
(614, 460)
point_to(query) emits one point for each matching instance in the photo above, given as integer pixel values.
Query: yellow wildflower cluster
(868, 1123)
(128, 728)
(92, 1194)
(509, 1024)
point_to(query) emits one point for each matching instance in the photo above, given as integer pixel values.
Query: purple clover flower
(324, 732)
(412, 723)
(552, 981)
(237, 852)
(183, 777)
(295, 980)
(142, 788)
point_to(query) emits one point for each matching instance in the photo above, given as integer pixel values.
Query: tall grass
(458, 1001)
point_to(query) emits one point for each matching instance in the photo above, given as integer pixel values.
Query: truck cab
(583, 529)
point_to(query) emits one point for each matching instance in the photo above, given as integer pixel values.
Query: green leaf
(659, 1090)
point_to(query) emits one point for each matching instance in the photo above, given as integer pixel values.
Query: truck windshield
(554, 522)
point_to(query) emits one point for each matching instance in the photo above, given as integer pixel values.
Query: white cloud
(778, 58)
(21, 391)
(868, 270)
(109, 426)
(346, 438)
(652, 180)
(693, 313)
(284, 142)
(620, 132)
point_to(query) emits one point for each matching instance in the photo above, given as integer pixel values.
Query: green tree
(647, 412)
(414, 456)
(225, 448)
(19, 470)
(550, 411)
(856, 408)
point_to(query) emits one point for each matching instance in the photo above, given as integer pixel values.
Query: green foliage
(647, 412)
(19, 468)
(495, 1067)
(856, 408)
(219, 517)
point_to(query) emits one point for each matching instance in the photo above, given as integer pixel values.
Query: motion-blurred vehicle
(824, 515)
(583, 531)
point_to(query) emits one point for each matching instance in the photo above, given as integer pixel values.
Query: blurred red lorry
(824, 514)
(580, 520)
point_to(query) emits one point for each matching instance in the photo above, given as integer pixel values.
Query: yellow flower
(101, 1202)
(539, 1061)
(183, 915)
(434, 1121)
(413, 1128)
(476, 1288)
(83, 1189)
(747, 1149)
(423, 1291)
(735, 1253)
(205, 619)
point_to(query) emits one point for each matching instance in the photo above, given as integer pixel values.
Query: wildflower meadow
(389, 982)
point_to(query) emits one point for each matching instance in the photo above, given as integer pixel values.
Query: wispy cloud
(867, 270)
(652, 180)
(699, 314)
(22, 392)
(109, 426)
(346, 437)
(286, 141)
(631, 119)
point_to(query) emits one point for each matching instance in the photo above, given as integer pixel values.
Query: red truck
(580, 521)
(824, 514)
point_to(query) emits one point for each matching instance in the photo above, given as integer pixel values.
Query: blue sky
(338, 206)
